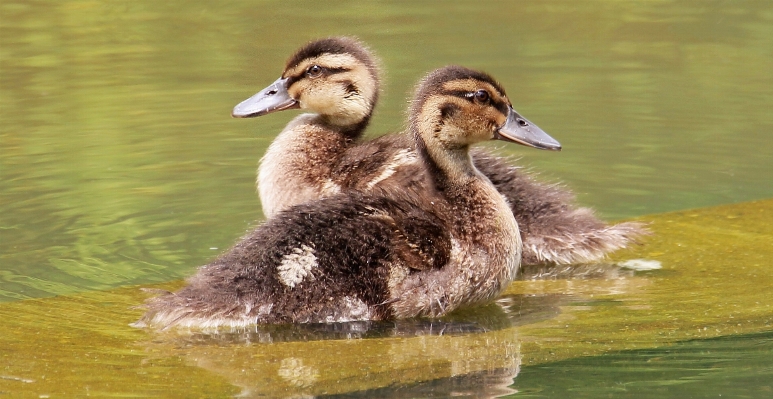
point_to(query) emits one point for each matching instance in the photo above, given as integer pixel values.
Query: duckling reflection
(608, 271)
(507, 311)
(474, 351)
(330, 367)
(321, 154)
(481, 384)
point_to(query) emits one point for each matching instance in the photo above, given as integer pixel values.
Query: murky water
(120, 165)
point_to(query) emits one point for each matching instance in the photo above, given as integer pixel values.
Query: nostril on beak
(522, 123)
(271, 93)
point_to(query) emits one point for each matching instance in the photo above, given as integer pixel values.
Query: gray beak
(273, 98)
(518, 129)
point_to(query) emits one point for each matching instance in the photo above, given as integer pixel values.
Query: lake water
(121, 167)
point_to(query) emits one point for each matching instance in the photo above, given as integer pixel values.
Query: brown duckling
(356, 256)
(321, 154)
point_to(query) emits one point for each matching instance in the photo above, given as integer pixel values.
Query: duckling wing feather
(325, 261)
(367, 164)
(421, 240)
(356, 241)
(553, 228)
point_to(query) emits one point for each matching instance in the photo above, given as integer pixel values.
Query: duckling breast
(296, 167)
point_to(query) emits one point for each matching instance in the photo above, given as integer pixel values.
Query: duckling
(321, 154)
(359, 256)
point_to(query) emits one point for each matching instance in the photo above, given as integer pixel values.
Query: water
(729, 367)
(120, 165)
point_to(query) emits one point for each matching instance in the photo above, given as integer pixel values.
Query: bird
(356, 256)
(323, 153)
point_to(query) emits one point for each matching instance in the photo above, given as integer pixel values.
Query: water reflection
(472, 352)
(580, 272)
(478, 348)
(482, 384)
(480, 361)
(507, 311)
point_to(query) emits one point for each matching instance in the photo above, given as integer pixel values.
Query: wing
(325, 261)
(312, 256)
(421, 239)
(553, 228)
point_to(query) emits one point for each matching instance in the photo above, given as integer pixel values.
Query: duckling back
(334, 260)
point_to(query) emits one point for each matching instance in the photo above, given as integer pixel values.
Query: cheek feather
(297, 89)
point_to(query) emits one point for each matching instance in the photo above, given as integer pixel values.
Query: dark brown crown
(335, 45)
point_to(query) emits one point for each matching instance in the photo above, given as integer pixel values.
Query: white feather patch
(297, 265)
(403, 157)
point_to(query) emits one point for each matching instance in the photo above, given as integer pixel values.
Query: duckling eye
(314, 71)
(482, 96)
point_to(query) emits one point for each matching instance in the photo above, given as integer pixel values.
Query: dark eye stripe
(338, 70)
(459, 93)
(500, 105)
(326, 71)
(292, 79)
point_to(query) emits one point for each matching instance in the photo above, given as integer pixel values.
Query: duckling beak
(273, 98)
(518, 129)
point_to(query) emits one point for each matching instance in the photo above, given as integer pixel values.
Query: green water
(120, 166)
(729, 367)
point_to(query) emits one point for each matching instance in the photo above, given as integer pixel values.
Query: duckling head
(337, 78)
(455, 107)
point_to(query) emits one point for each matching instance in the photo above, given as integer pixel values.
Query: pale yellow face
(463, 112)
(337, 86)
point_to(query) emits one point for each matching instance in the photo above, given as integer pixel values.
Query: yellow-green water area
(715, 280)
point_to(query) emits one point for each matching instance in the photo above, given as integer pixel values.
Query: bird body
(322, 154)
(360, 256)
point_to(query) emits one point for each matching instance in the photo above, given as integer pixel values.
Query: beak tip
(554, 147)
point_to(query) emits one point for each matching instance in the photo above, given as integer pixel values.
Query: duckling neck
(451, 168)
(348, 116)
(348, 126)
(482, 224)
(297, 166)
(449, 165)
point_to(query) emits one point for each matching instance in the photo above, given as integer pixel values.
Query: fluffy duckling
(321, 154)
(356, 256)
